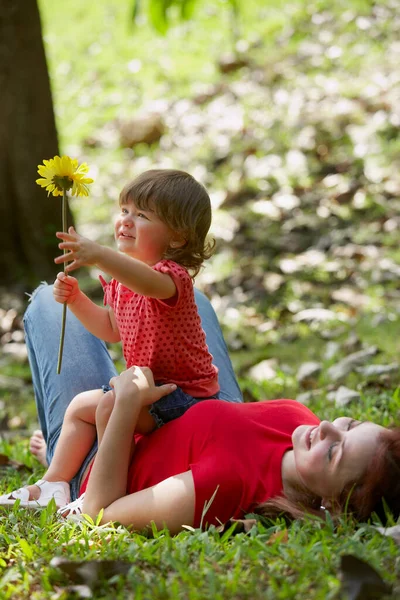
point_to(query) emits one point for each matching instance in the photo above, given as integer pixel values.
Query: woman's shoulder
(269, 413)
(279, 404)
(219, 407)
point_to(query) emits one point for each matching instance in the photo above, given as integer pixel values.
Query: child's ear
(177, 243)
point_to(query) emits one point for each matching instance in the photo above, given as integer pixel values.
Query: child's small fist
(65, 288)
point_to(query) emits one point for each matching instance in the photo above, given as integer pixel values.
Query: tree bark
(28, 217)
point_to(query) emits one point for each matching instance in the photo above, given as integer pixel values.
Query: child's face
(141, 234)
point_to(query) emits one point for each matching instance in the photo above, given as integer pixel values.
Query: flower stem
(64, 313)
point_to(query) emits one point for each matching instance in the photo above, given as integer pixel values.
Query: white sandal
(73, 509)
(59, 490)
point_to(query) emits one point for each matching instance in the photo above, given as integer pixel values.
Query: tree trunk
(28, 217)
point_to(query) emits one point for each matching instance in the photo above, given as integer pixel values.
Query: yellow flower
(64, 173)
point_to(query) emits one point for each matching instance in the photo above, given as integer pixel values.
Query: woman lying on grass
(272, 457)
(235, 456)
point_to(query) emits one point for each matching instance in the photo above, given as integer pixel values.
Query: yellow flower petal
(53, 171)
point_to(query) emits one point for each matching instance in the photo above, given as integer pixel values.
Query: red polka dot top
(165, 335)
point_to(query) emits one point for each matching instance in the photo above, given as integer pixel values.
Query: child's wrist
(75, 298)
(100, 255)
(129, 399)
(97, 253)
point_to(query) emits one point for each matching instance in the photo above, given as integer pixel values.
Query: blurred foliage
(294, 135)
(293, 126)
(158, 11)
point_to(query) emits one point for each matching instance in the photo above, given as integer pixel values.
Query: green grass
(103, 70)
(266, 563)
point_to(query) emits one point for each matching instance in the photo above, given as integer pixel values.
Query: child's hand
(138, 382)
(65, 289)
(82, 252)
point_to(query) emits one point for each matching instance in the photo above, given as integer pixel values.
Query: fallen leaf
(360, 581)
(279, 536)
(393, 532)
(344, 396)
(145, 129)
(375, 370)
(232, 62)
(90, 573)
(342, 368)
(308, 373)
(318, 314)
(264, 371)
(6, 461)
(241, 526)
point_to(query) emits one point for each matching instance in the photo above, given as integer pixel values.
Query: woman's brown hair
(378, 490)
(180, 202)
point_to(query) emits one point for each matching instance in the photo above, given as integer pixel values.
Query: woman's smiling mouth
(310, 436)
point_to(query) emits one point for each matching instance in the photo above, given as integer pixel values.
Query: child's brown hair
(180, 202)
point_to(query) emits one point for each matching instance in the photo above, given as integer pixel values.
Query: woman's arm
(172, 501)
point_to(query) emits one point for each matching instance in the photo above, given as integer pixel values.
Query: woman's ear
(326, 504)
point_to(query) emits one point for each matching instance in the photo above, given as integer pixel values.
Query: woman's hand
(172, 501)
(138, 382)
(82, 251)
(65, 289)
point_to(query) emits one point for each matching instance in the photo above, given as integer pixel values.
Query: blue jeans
(87, 364)
(172, 406)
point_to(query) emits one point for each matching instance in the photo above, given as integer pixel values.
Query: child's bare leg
(77, 435)
(103, 413)
(146, 423)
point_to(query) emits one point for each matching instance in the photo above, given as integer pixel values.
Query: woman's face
(328, 456)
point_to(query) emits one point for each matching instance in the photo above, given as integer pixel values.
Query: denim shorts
(172, 406)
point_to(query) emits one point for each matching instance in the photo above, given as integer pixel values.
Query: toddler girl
(161, 234)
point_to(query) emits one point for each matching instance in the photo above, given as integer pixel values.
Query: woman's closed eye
(353, 423)
(330, 450)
